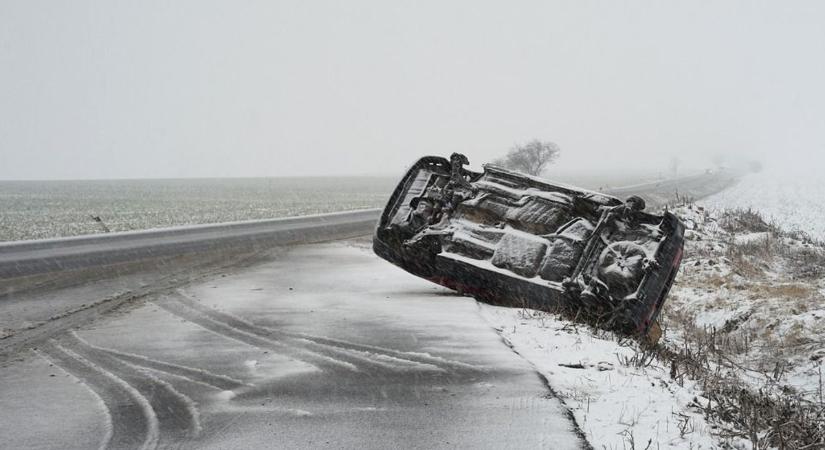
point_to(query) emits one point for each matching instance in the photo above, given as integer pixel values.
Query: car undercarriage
(512, 239)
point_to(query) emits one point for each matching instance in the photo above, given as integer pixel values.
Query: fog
(154, 89)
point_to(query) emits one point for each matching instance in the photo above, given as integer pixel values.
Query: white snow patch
(613, 402)
(225, 395)
(748, 238)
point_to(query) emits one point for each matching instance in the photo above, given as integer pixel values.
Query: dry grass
(718, 280)
(768, 280)
(789, 291)
(768, 417)
(802, 255)
(740, 220)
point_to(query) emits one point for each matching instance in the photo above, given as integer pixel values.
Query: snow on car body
(513, 239)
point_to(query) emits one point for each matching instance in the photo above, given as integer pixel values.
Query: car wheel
(621, 267)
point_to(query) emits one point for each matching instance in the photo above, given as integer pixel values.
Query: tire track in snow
(422, 358)
(175, 415)
(322, 362)
(108, 424)
(302, 349)
(192, 374)
(382, 358)
(134, 423)
(417, 357)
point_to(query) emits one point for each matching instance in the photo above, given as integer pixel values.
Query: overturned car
(512, 239)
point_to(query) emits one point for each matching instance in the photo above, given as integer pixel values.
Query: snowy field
(794, 201)
(46, 209)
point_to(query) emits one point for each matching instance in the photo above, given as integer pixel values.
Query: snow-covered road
(323, 346)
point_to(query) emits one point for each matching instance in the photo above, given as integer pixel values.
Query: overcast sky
(114, 89)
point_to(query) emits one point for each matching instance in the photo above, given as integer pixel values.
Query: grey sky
(111, 89)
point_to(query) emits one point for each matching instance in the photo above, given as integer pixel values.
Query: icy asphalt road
(325, 346)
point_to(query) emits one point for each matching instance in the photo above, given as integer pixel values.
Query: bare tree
(530, 158)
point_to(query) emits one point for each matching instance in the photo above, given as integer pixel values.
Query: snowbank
(618, 399)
